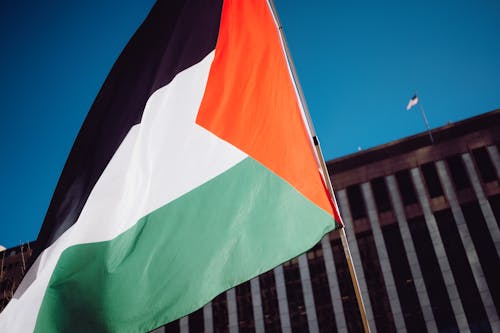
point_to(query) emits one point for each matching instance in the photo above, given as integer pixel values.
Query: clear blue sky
(359, 62)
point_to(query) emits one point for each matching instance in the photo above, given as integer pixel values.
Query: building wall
(422, 222)
(13, 264)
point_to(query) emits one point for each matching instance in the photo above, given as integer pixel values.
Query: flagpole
(326, 176)
(345, 243)
(426, 122)
(421, 108)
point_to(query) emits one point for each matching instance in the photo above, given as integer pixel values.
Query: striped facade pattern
(423, 226)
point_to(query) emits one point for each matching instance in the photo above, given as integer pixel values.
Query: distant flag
(413, 101)
(193, 172)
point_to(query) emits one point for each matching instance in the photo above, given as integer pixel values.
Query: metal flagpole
(426, 122)
(326, 177)
(421, 108)
(345, 243)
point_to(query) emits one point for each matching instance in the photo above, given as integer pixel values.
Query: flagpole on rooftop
(326, 177)
(414, 101)
(426, 122)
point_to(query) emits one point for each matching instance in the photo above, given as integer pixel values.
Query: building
(13, 264)
(423, 222)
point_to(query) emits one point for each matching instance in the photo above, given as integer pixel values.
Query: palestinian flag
(193, 172)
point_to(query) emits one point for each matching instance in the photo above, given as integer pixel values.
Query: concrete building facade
(422, 220)
(13, 265)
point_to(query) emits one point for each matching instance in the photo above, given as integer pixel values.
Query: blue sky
(359, 62)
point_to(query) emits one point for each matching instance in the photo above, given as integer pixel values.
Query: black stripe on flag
(176, 35)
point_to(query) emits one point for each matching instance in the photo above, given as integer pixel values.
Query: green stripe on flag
(240, 224)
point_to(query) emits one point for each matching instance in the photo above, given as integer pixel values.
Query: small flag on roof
(413, 101)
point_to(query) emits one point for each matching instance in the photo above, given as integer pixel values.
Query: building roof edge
(400, 146)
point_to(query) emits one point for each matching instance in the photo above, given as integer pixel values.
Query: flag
(193, 172)
(413, 101)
